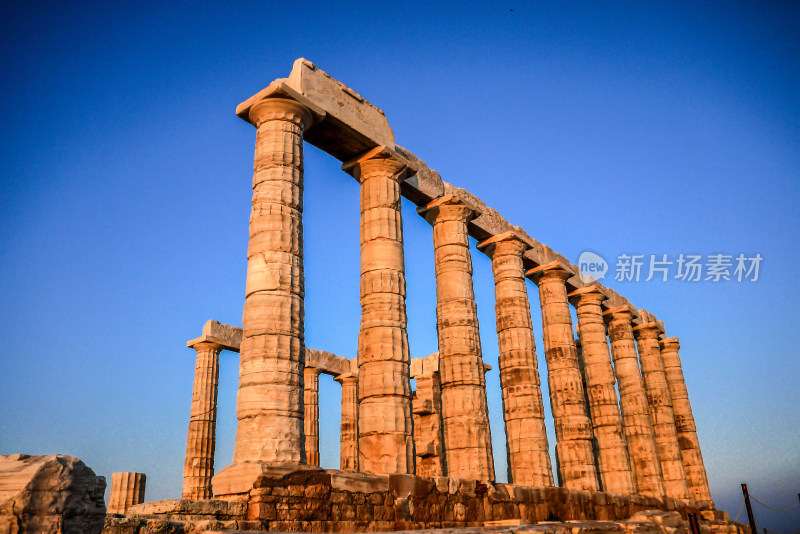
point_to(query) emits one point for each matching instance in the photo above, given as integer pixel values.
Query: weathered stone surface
(465, 415)
(198, 466)
(311, 419)
(523, 411)
(639, 435)
(684, 422)
(270, 400)
(348, 446)
(127, 489)
(423, 187)
(327, 363)
(227, 336)
(661, 413)
(52, 494)
(426, 405)
(385, 441)
(567, 398)
(613, 461)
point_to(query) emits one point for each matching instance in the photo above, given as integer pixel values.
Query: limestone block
(385, 440)
(567, 398)
(661, 413)
(50, 494)
(424, 186)
(684, 422)
(523, 411)
(613, 461)
(127, 489)
(227, 336)
(465, 416)
(326, 362)
(639, 434)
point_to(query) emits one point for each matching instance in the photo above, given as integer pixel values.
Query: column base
(240, 478)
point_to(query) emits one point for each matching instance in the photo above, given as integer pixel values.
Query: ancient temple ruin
(423, 459)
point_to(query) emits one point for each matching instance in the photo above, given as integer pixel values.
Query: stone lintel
(346, 124)
(575, 295)
(327, 363)
(226, 336)
(424, 186)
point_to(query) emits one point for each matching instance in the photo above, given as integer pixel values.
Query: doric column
(270, 399)
(576, 463)
(639, 435)
(465, 415)
(385, 440)
(692, 458)
(613, 462)
(523, 412)
(661, 413)
(198, 467)
(427, 408)
(348, 454)
(311, 420)
(127, 489)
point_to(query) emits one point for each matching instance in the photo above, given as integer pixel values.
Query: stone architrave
(385, 435)
(270, 398)
(639, 435)
(576, 463)
(198, 467)
(127, 489)
(311, 419)
(613, 461)
(465, 415)
(348, 455)
(684, 422)
(523, 411)
(661, 413)
(427, 408)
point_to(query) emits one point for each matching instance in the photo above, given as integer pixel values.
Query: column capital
(586, 295)
(346, 378)
(205, 343)
(447, 208)
(505, 244)
(311, 369)
(281, 109)
(647, 331)
(380, 158)
(620, 313)
(554, 270)
(670, 343)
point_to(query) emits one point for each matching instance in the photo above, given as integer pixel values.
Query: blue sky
(638, 128)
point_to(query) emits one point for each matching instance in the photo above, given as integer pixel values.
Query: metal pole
(749, 509)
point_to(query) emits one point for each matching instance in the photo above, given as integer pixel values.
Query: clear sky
(637, 128)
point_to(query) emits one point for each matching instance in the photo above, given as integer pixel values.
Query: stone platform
(317, 500)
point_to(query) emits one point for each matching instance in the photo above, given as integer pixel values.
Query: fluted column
(523, 411)
(311, 419)
(127, 489)
(661, 413)
(692, 458)
(465, 415)
(613, 461)
(348, 452)
(639, 435)
(270, 399)
(198, 467)
(385, 440)
(576, 463)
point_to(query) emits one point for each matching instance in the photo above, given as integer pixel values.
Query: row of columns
(636, 436)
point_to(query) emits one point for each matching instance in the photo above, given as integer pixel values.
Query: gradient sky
(640, 127)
